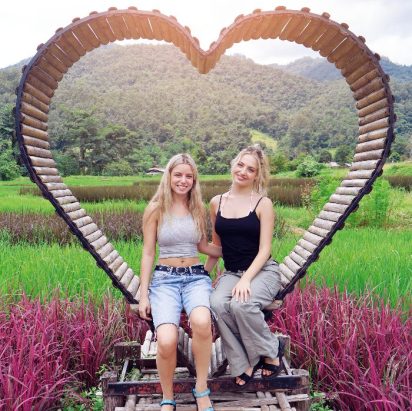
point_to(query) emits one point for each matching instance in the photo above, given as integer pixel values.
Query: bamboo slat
(94, 236)
(30, 97)
(325, 224)
(365, 79)
(33, 122)
(316, 30)
(165, 28)
(294, 28)
(372, 145)
(372, 86)
(35, 142)
(46, 171)
(154, 24)
(48, 68)
(116, 264)
(318, 231)
(118, 27)
(55, 186)
(336, 208)
(68, 208)
(73, 54)
(364, 165)
(32, 111)
(101, 30)
(38, 152)
(134, 285)
(83, 221)
(127, 278)
(375, 125)
(291, 265)
(297, 259)
(105, 250)
(371, 98)
(104, 27)
(284, 281)
(356, 61)
(302, 252)
(373, 107)
(306, 245)
(353, 191)
(363, 69)
(86, 36)
(312, 238)
(341, 50)
(131, 26)
(330, 215)
(43, 77)
(42, 162)
(327, 37)
(74, 42)
(88, 229)
(143, 25)
(54, 61)
(354, 183)
(61, 55)
(369, 155)
(344, 59)
(359, 174)
(372, 137)
(61, 193)
(273, 30)
(341, 199)
(375, 116)
(99, 243)
(111, 257)
(39, 85)
(34, 132)
(66, 200)
(254, 27)
(286, 271)
(74, 215)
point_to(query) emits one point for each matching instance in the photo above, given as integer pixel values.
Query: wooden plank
(111, 257)
(83, 221)
(131, 26)
(336, 208)
(341, 199)
(56, 186)
(297, 259)
(35, 142)
(94, 236)
(102, 31)
(353, 191)
(71, 39)
(116, 263)
(127, 278)
(365, 79)
(369, 155)
(38, 152)
(330, 215)
(88, 229)
(105, 250)
(278, 23)
(307, 245)
(375, 116)
(363, 69)
(286, 271)
(61, 193)
(134, 285)
(347, 57)
(68, 208)
(354, 183)
(318, 231)
(253, 27)
(99, 243)
(317, 29)
(119, 27)
(61, 55)
(74, 215)
(142, 23)
(325, 224)
(121, 271)
(359, 174)
(34, 132)
(52, 60)
(312, 238)
(31, 97)
(42, 162)
(68, 49)
(364, 165)
(33, 122)
(371, 87)
(50, 69)
(326, 39)
(45, 78)
(295, 26)
(33, 111)
(294, 267)
(66, 200)
(359, 58)
(302, 252)
(370, 144)
(383, 123)
(39, 85)
(342, 50)
(371, 98)
(380, 104)
(46, 171)
(86, 36)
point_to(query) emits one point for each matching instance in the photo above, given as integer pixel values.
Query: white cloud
(385, 25)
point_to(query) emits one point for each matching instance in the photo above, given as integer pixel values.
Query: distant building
(155, 171)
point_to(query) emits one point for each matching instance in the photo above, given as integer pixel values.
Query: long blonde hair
(263, 173)
(162, 201)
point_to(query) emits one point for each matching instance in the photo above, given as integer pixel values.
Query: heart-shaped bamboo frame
(358, 65)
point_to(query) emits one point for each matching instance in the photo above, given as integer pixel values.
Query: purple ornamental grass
(357, 350)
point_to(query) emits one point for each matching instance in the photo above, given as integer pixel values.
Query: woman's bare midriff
(179, 261)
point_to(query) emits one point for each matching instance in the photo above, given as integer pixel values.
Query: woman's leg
(166, 359)
(201, 325)
(220, 301)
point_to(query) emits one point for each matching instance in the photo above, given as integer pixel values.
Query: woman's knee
(200, 320)
(166, 339)
(243, 308)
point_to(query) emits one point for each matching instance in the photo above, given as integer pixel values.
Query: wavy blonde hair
(162, 201)
(263, 173)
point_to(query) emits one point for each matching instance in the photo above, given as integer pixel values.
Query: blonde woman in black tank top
(243, 221)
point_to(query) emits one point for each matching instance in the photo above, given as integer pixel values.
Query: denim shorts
(170, 293)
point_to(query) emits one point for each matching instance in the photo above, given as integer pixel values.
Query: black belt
(193, 269)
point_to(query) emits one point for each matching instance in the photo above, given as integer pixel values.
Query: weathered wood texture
(349, 53)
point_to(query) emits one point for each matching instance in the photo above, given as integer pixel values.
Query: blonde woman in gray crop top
(175, 221)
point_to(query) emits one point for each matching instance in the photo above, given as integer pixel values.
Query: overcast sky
(386, 25)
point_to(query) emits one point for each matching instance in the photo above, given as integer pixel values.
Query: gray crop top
(178, 237)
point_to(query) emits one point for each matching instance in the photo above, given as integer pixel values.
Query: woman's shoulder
(216, 199)
(151, 210)
(264, 202)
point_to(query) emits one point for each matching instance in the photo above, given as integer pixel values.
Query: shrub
(309, 167)
(118, 168)
(9, 169)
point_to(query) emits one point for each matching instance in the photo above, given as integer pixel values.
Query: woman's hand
(144, 308)
(241, 291)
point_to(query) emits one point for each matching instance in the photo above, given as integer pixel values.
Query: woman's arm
(212, 260)
(210, 249)
(266, 216)
(150, 221)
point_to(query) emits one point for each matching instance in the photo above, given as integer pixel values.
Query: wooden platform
(134, 385)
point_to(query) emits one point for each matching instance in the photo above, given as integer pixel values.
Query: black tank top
(240, 239)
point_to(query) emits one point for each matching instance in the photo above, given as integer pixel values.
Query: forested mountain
(130, 107)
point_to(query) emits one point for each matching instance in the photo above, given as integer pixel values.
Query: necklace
(229, 193)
